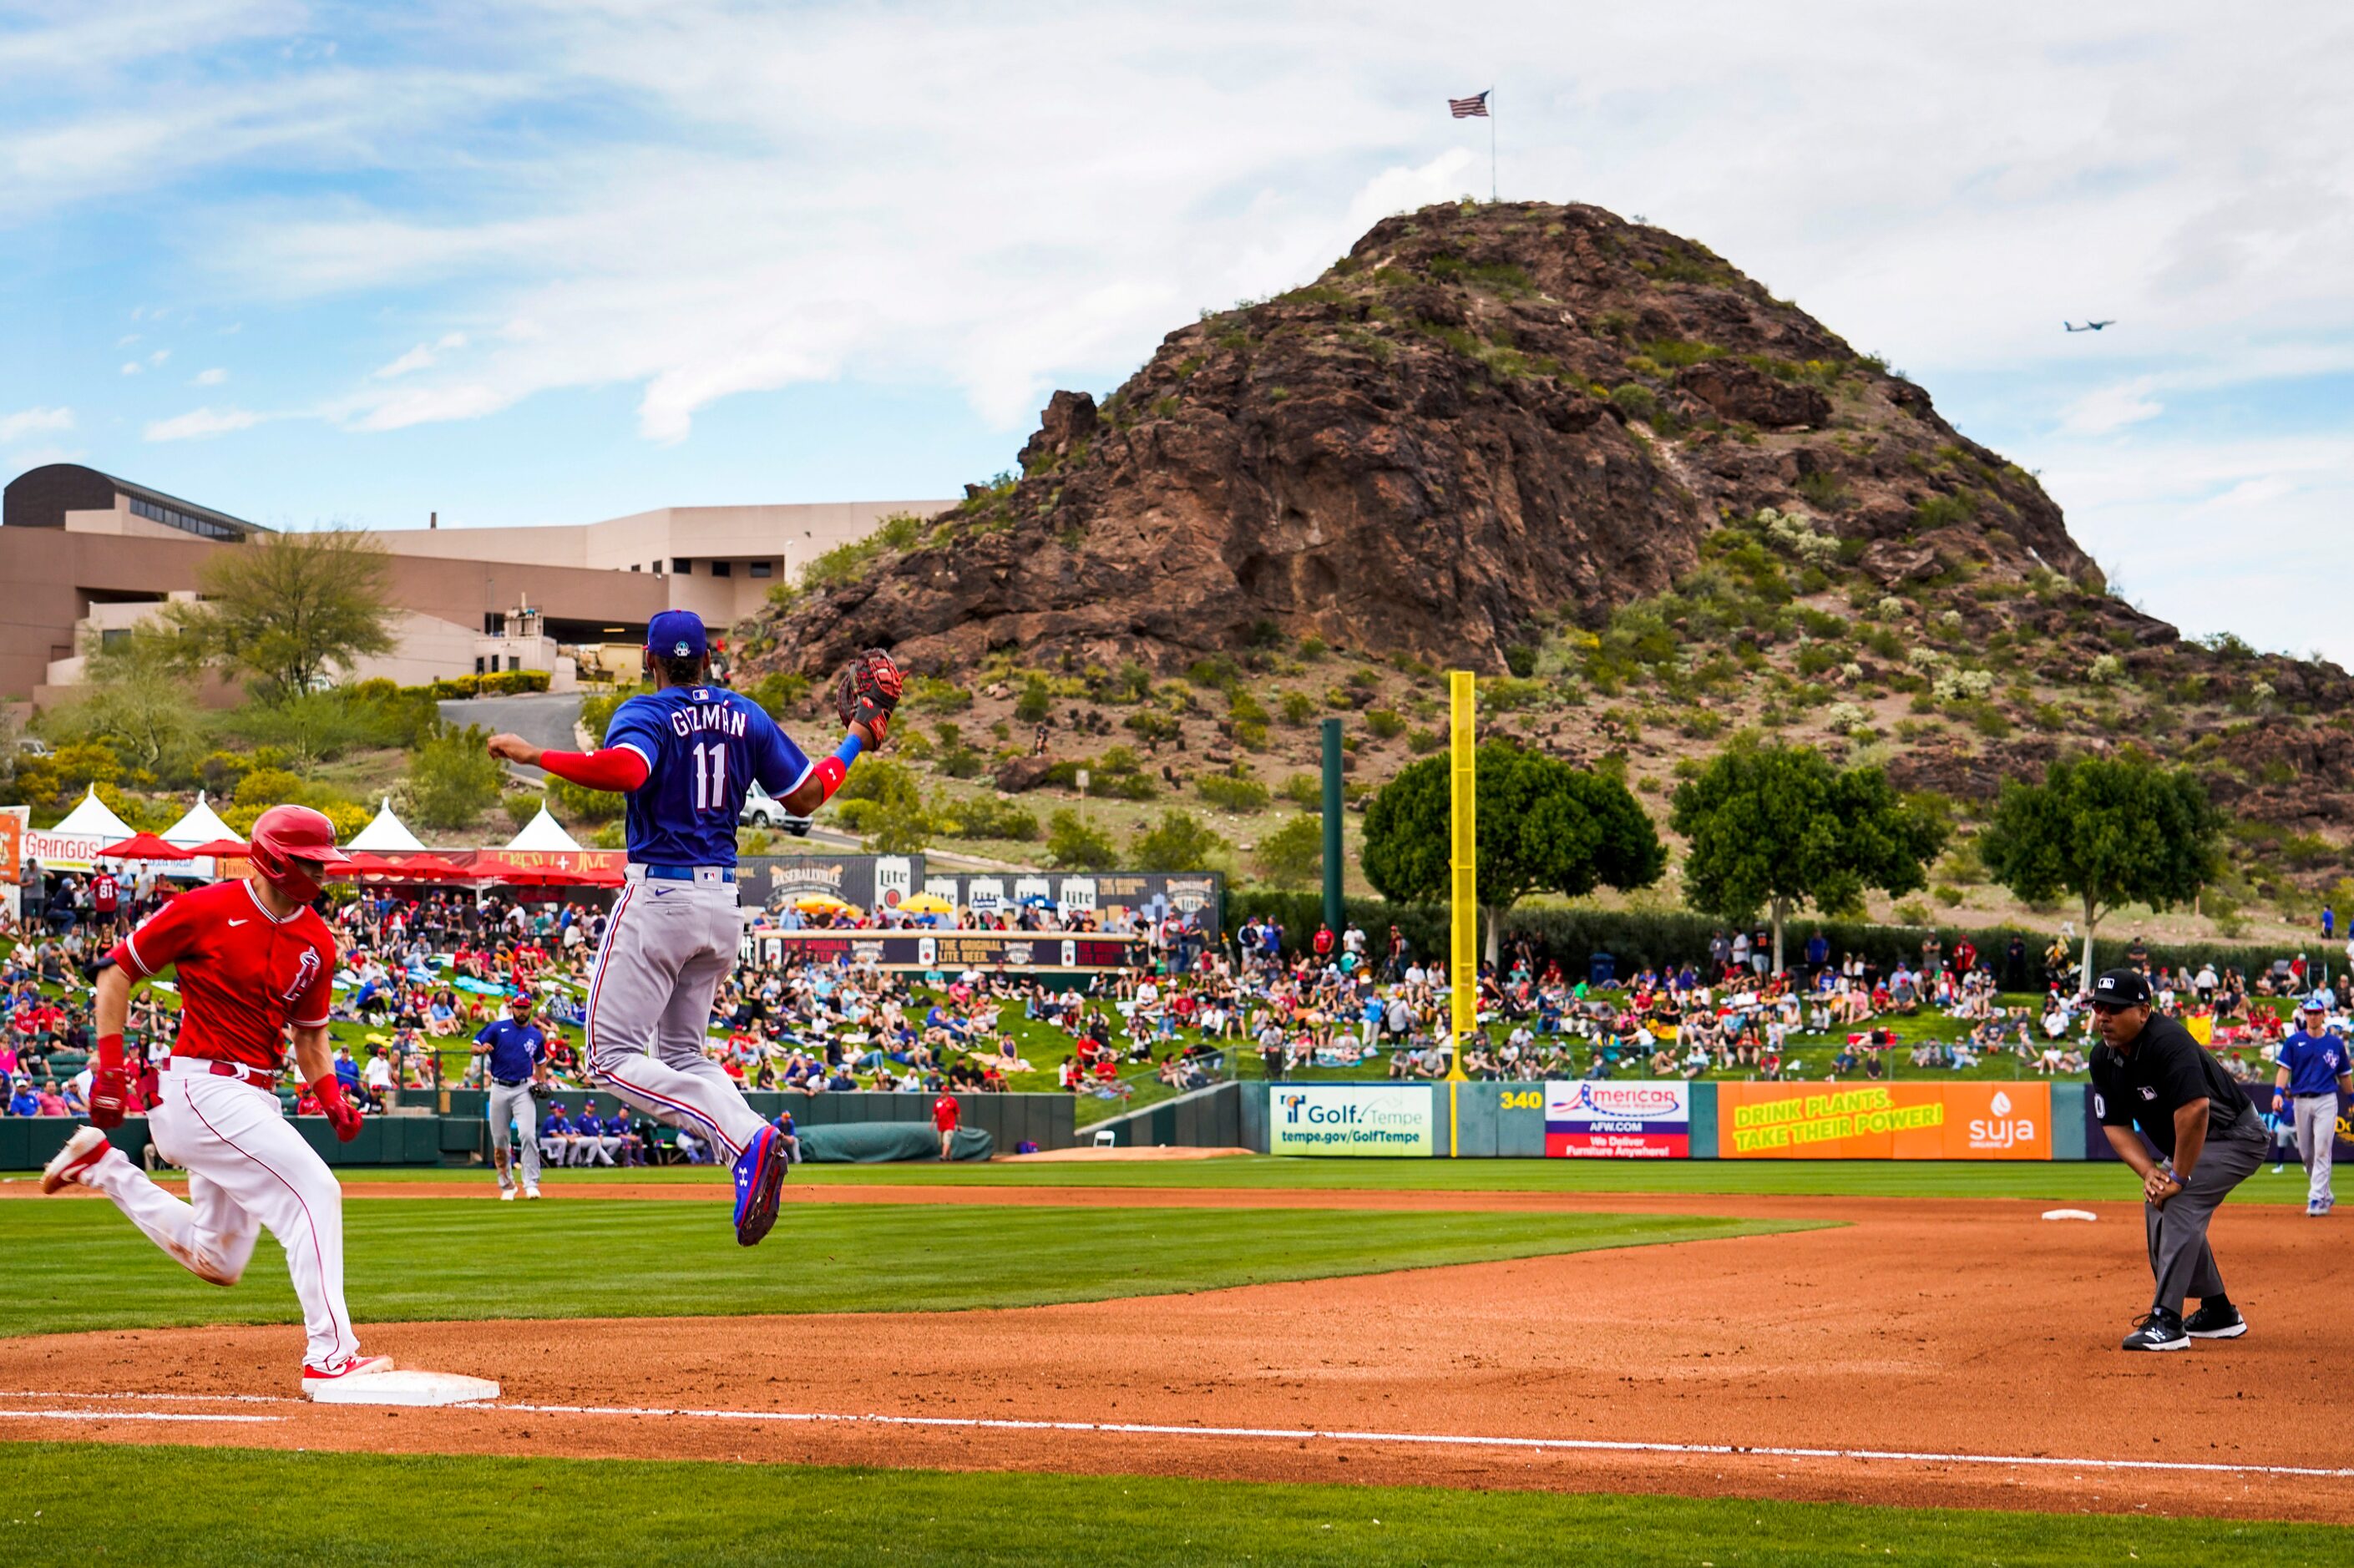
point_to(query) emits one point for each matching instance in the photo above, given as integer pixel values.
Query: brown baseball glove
(868, 692)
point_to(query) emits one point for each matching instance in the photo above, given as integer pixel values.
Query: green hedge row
(1637, 940)
(497, 684)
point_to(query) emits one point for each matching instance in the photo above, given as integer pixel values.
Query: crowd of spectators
(422, 974)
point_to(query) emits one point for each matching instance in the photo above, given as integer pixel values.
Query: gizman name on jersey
(727, 720)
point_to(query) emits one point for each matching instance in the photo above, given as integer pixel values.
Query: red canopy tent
(218, 848)
(374, 868)
(144, 846)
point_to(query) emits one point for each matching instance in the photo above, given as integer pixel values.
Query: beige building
(84, 555)
(721, 560)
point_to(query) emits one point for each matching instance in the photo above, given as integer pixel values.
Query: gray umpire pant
(667, 946)
(2312, 1123)
(2178, 1254)
(514, 1104)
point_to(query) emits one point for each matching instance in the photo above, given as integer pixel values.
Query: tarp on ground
(883, 1142)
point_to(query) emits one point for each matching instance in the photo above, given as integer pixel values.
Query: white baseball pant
(516, 1115)
(2313, 1122)
(247, 1168)
(667, 947)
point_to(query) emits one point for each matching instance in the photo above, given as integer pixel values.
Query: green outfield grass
(2084, 1180)
(197, 1506)
(74, 1265)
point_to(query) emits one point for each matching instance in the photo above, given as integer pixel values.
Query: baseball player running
(2313, 1068)
(685, 754)
(254, 960)
(518, 1058)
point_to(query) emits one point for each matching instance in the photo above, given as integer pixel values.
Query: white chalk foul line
(126, 1415)
(1427, 1439)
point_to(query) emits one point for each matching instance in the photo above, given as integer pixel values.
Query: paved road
(544, 719)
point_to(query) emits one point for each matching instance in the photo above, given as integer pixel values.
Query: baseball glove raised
(868, 692)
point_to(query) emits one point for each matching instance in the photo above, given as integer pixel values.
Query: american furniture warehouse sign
(1599, 1119)
(1359, 1119)
(1884, 1121)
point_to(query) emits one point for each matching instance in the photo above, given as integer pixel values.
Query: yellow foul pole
(1463, 958)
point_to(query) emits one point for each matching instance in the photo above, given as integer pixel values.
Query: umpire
(2148, 1073)
(518, 1054)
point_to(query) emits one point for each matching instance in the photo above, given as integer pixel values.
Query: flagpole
(1491, 147)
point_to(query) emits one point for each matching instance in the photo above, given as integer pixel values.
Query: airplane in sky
(2089, 327)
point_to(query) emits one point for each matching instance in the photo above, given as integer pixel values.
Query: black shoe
(2157, 1331)
(2215, 1320)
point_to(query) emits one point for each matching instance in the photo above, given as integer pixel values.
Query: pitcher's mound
(404, 1385)
(1086, 1152)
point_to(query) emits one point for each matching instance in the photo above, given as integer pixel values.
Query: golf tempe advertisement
(1360, 1119)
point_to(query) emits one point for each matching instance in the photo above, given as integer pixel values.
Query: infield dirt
(1918, 1327)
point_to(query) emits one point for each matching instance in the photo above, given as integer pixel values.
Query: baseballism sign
(1360, 1119)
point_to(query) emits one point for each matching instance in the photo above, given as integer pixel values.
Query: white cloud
(159, 356)
(131, 367)
(418, 359)
(34, 422)
(2113, 408)
(212, 377)
(201, 422)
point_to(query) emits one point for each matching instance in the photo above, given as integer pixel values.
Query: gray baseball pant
(2179, 1257)
(2313, 1124)
(666, 948)
(515, 1106)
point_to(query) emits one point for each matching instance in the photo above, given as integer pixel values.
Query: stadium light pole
(1463, 960)
(1335, 912)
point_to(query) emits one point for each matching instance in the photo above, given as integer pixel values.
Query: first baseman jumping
(253, 960)
(685, 754)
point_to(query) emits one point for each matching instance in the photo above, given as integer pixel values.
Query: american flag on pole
(1473, 108)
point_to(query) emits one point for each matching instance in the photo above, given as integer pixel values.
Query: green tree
(1292, 855)
(1074, 845)
(1544, 827)
(137, 699)
(287, 609)
(1774, 827)
(883, 804)
(451, 779)
(2110, 830)
(1179, 842)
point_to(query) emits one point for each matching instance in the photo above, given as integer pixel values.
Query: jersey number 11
(710, 777)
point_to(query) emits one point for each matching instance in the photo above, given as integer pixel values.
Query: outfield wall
(455, 1139)
(2032, 1120)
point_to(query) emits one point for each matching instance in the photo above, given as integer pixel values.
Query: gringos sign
(1884, 1121)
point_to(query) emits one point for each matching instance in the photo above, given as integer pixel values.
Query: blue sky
(553, 262)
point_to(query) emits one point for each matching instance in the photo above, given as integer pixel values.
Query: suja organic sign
(1884, 1121)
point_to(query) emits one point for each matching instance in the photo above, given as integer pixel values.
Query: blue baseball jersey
(515, 1048)
(704, 746)
(2315, 1063)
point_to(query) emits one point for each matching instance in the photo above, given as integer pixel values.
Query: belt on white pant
(259, 1077)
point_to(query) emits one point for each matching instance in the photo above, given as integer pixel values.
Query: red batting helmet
(284, 839)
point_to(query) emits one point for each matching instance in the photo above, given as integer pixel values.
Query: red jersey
(944, 1113)
(245, 976)
(103, 892)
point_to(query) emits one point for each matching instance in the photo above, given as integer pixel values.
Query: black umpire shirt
(2166, 1071)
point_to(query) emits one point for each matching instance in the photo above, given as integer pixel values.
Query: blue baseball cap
(676, 634)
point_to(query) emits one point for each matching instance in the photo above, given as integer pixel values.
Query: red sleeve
(167, 936)
(318, 999)
(618, 768)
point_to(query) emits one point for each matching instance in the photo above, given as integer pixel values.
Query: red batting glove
(341, 1114)
(109, 1085)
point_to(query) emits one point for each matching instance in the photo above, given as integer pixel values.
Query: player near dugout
(685, 754)
(253, 961)
(2313, 1067)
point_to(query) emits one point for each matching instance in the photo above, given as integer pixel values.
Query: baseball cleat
(2315, 1211)
(2160, 1330)
(532, 1193)
(2215, 1320)
(85, 1148)
(760, 1172)
(506, 1195)
(313, 1378)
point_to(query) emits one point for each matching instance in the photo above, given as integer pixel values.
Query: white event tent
(544, 832)
(386, 832)
(93, 819)
(202, 825)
